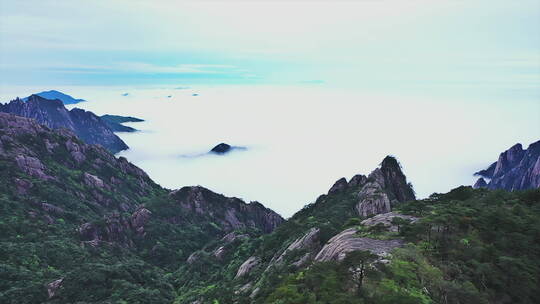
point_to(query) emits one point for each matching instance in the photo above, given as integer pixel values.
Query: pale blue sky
(380, 45)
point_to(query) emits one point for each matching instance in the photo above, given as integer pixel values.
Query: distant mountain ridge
(115, 122)
(53, 94)
(52, 113)
(516, 169)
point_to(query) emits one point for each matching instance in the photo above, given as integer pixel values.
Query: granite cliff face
(516, 169)
(380, 190)
(229, 213)
(52, 113)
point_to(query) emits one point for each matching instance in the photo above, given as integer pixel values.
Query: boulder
(32, 166)
(347, 241)
(247, 266)
(309, 241)
(93, 181)
(52, 287)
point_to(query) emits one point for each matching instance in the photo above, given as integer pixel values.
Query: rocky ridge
(52, 113)
(516, 169)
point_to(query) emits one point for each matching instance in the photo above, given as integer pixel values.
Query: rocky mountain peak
(515, 169)
(395, 180)
(377, 193)
(52, 113)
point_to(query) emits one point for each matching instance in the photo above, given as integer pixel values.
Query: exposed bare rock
(480, 183)
(32, 166)
(233, 236)
(372, 200)
(230, 237)
(52, 208)
(52, 287)
(93, 181)
(193, 257)
(339, 186)
(229, 213)
(516, 169)
(50, 146)
(114, 230)
(357, 180)
(385, 187)
(22, 186)
(254, 293)
(337, 247)
(303, 260)
(139, 218)
(244, 288)
(48, 219)
(52, 113)
(386, 220)
(75, 151)
(309, 241)
(247, 266)
(219, 252)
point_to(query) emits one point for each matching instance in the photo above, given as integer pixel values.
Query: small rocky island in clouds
(224, 148)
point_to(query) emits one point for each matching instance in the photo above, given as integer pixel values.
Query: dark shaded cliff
(52, 113)
(516, 169)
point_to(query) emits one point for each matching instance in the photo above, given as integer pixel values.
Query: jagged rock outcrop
(480, 183)
(247, 266)
(193, 257)
(52, 113)
(382, 189)
(93, 181)
(516, 169)
(139, 218)
(340, 185)
(372, 199)
(336, 248)
(52, 287)
(229, 238)
(229, 213)
(32, 166)
(113, 229)
(386, 220)
(309, 242)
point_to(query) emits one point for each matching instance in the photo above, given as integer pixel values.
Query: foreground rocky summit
(516, 169)
(52, 113)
